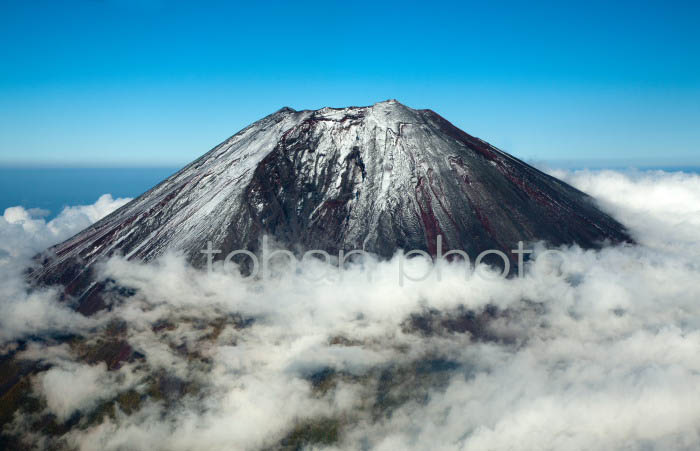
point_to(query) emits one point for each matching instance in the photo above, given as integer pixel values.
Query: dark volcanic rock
(385, 175)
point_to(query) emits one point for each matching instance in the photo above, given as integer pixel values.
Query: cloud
(24, 233)
(598, 350)
(662, 209)
(74, 387)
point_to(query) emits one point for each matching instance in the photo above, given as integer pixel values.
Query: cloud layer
(24, 233)
(599, 350)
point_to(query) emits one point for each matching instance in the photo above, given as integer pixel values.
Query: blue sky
(133, 83)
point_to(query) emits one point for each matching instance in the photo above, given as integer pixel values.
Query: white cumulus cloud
(600, 350)
(23, 233)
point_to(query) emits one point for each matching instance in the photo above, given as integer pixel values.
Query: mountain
(386, 176)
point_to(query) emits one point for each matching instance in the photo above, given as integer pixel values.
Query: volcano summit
(386, 175)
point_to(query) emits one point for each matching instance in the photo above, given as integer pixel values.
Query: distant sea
(53, 189)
